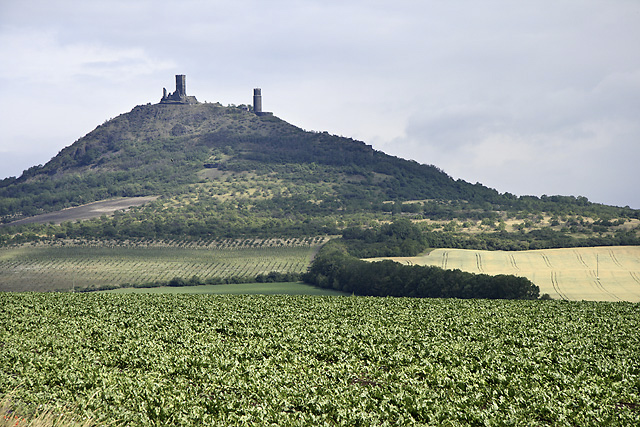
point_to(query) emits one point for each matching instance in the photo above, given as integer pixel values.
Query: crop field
(198, 360)
(593, 274)
(77, 266)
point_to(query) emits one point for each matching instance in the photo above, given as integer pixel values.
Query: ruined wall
(180, 95)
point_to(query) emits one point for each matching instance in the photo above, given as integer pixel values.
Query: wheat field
(593, 274)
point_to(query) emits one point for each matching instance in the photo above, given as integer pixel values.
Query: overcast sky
(527, 97)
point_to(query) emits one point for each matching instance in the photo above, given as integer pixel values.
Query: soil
(88, 211)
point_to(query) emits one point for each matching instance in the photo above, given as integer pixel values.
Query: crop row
(190, 244)
(187, 360)
(42, 268)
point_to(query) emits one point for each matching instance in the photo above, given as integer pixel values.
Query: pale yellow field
(596, 274)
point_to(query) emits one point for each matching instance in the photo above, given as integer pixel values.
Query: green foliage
(250, 288)
(225, 172)
(399, 238)
(543, 238)
(195, 360)
(277, 277)
(335, 268)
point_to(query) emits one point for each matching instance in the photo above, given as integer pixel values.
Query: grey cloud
(511, 94)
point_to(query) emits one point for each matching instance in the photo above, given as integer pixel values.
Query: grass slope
(595, 274)
(286, 288)
(194, 360)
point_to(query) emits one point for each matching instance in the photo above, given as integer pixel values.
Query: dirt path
(88, 211)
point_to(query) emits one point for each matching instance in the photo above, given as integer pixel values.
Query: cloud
(40, 57)
(524, 98)
(578, 144)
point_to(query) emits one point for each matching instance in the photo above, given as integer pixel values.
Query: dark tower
(181, 85)
(180, 95)
(257, 101)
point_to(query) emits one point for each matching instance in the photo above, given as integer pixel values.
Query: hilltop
(172, 145)
(227, 172)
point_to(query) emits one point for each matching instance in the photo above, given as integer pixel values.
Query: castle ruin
(180, 95)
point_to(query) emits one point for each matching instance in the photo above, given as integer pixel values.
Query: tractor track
(512, 261)
(479, 263)
(636, 278)
(445, 259)
(580, 259)
(614, 259)
(546, 260)
(556, 285)
(601, 287)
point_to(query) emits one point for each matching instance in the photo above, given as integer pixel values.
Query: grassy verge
(14, 414)
(286, 288)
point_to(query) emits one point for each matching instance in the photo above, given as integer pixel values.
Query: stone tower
(180, 95)
(257, 101)
(181, 85)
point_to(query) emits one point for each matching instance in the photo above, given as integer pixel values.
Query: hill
(227, 172)
(157, 149)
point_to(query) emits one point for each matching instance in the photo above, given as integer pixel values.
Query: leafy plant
(193, 360)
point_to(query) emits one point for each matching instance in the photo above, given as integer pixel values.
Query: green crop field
(198, 360)
(77, 266)
(595, 274)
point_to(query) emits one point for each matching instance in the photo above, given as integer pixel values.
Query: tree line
(335, 268)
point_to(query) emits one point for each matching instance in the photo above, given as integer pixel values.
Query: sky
(527, 97)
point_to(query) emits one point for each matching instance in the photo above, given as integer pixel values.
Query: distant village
(180, 96)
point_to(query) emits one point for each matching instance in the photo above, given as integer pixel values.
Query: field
(594, 274)
(88, 211)
(77, 266)
(197, 360)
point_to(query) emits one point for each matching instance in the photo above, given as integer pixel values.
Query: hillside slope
(224, 171)
(157, 149)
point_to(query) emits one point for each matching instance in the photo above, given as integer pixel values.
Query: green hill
(160, 149)
(226, 172)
